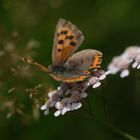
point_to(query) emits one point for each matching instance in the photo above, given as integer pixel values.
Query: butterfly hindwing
(67, 39)
(85, 60)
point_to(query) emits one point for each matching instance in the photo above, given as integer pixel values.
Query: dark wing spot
(69, 37)
(59, 50)
(60, 41)
(72, 43)
(58, 34)
(64, 32)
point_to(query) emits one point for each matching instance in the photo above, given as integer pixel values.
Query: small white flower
(113, 69)
(124, 73)
(108, 72)
(44, 107)
(64, 110)
(134, 65)
(138, 51)
(83, 94)
(102, 77)
(73, 106)
(58, 88)
(96, 85)
(68, 107)
(138, 67)
(131, 56)
(51, 93)
(57, 113)
(58, 105)
(78, 105)
(92, 81)
(46, 112)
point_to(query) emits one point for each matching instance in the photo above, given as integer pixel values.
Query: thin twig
(112, 128)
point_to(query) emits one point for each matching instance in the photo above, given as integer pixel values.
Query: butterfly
(66, 66)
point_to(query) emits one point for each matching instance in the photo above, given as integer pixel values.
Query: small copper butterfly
(66, 66)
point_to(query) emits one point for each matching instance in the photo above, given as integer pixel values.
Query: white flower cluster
(69, 95)
(121, 63)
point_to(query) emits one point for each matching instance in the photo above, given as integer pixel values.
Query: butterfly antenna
(29, 61)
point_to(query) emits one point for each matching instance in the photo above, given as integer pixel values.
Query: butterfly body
(57, 69)
(66, 66)
(69, 75)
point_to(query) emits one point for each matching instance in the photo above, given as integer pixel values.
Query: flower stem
(113, 128)
(120, 132)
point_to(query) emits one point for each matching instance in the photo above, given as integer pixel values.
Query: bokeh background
(27, 28)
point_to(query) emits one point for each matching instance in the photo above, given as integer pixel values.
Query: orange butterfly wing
(66, 41)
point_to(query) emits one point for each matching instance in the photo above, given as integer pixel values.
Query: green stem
(120, 132)
(114, 129)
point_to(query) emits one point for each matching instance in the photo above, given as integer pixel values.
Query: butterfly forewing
(67, 39)
(85, 60)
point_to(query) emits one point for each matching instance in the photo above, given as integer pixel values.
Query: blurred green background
(108, 26)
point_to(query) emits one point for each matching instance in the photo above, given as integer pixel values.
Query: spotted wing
(67, 39)
(85, 60)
